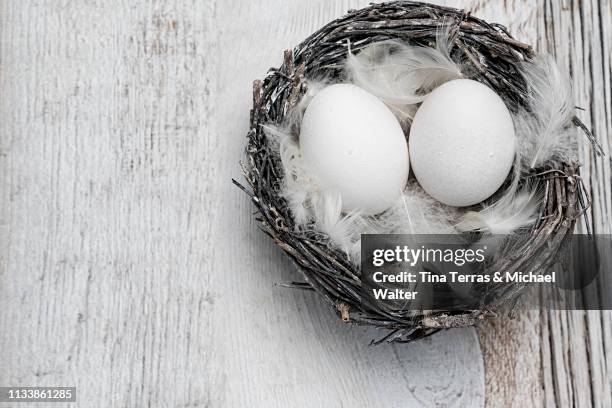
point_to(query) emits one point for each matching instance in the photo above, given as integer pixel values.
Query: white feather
(513, 209)
(414, 212)
(298, 183)
(505, 216)
(545, 131)
(343, 230)
(402, 75)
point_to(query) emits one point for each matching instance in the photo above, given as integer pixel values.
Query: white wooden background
(132, 268)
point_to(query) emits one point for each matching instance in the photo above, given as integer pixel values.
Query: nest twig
(494, 57)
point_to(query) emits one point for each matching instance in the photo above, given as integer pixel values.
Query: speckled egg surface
(462, 143)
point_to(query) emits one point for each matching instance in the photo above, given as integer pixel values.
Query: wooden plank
(511, 348)
(130, 266)
(560, 358)
(586, 54)
(105, 134)
(298, 352)
(120, 128)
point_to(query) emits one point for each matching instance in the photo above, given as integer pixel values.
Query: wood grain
(561, 358)
(130, 266)
(299, 354)
(105, 132)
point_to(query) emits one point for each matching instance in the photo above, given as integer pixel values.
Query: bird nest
(493, 57)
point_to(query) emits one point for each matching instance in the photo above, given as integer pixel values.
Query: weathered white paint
(560, 358)
(294, 352)
(131, 267)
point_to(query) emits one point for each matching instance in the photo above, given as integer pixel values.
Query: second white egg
(354, 145)
(462, 143)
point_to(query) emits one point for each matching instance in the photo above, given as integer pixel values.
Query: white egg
(353, 144)
(462, 143)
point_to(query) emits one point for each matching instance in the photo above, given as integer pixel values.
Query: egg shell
(462, 143)
(353, 144)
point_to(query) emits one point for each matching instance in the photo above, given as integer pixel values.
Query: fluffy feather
(402, 75)
(545, 130)
(298, 183)
(344, 230)
(415, 212)
(505, 216)
(300, 188)
(512, 210)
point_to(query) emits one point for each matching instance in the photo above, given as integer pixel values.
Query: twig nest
(462, 143)
(399, 52)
